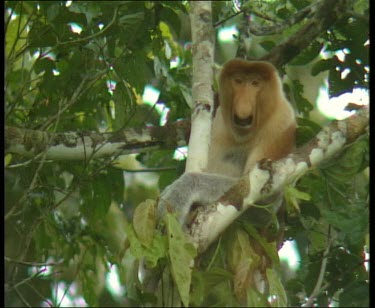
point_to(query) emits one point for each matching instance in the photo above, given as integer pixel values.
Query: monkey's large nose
(242, 122)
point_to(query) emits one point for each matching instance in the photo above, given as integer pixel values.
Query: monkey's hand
(192, 188)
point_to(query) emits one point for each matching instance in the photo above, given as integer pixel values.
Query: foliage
(338, 212)
(83, 66)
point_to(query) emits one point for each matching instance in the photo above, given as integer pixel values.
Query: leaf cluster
(334, 215)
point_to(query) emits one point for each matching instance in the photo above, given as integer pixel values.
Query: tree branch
(277, 28)
(327, 13)
(269, 177)
(323, 266)
(203, 76)
(88, 145)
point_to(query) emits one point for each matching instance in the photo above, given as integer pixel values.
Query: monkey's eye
(238, 80)
(255, 82)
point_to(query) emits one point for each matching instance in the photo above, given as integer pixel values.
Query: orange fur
(254, 120)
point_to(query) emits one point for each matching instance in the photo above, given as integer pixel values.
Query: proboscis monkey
(254, 121)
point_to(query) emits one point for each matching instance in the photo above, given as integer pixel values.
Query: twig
(87, 38)
(277, 28)
(66, 104)
(319, 282)
(327, 13)
(22, 298)
(15, 286)
(226, 19)
(33, 263)
(149, 169)
(42, 297)
(75, 275)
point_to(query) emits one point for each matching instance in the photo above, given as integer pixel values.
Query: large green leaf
(181, 253)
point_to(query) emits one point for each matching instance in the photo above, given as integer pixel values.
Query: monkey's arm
(190, 188)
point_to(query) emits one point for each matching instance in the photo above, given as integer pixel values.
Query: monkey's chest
(229, 163)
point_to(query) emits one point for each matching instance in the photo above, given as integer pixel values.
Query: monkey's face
(248, 95)
(246, 88)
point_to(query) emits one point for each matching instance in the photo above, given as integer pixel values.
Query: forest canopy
(98, 99)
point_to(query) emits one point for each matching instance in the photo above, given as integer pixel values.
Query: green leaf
(144, 221)
(43, 238)
(111, 230)
(198, 291)
(135, 70)
(337, 84)
(19, 75)
(152, 253)
(7, 159)
(303, 104)
(41, 35)
(89, 290)
(101, 199)
(295, 193)
(15, 30)
(169, 16)
(276, 289)
(256, 299)
(267, 45)
(299, 4)
(67, 16)
(240, 249)
(243, 261)
(282, 11)
(291, 195)
(306, 130)
(96, 197)
(349, 163)
(131, 19)
(351, 221)
(181, 253)
(356, 294)
(210, 288)
(324, 65)
(44, 64)
(308, 54)
(269, 248)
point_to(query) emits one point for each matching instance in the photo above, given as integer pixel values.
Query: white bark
(88, 145)
(202, 92)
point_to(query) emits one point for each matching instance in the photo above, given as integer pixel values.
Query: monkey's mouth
(242, 122)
